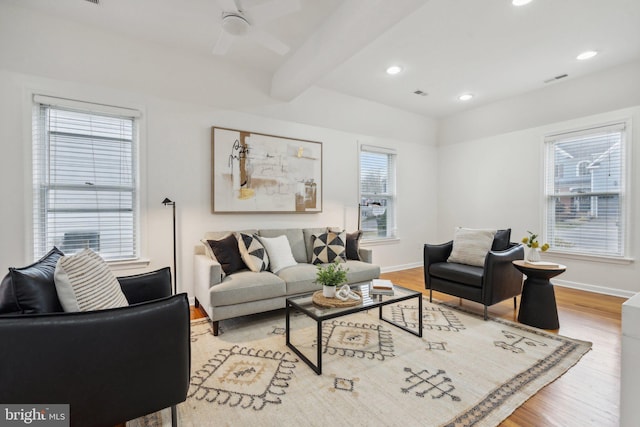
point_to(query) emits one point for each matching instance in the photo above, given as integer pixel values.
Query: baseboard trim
(392, 268)
(594, 288)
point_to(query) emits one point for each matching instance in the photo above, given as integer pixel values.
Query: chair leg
(196, 303)
(430, 295)
(515, 306)
(485, 313)
(215, 327)
(174, 416)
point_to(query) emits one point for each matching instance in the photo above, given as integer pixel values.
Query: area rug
(464, 371)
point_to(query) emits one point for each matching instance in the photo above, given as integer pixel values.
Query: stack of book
(381, 287)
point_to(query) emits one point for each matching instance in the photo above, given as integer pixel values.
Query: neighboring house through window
(377, 192)
(585, 190)
(84, 178)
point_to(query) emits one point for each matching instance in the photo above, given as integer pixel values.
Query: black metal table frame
(317, 368)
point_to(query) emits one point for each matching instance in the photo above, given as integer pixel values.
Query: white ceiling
(446, 47)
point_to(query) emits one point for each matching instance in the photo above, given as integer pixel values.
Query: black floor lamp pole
(166, 202)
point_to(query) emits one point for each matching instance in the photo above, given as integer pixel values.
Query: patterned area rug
(464, 371)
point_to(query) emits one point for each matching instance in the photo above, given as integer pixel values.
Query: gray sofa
(246, 292)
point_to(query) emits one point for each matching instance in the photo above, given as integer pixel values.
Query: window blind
(377, 192)
(84, 175)
(585, 190)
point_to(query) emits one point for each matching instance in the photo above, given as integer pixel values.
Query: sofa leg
(485, 313)
(215, 327)
(174, 416)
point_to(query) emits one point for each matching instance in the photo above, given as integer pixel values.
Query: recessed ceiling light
(587, 55)
(520, 2)
(394, 69)
(465, 97)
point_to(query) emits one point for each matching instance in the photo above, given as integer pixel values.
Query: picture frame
(260, 173)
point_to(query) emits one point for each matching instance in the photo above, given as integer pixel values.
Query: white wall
(494, 166)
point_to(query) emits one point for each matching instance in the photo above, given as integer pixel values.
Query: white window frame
(42, 241)
(390, 195)
(551, 195)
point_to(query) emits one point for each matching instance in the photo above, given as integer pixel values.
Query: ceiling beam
(352, 26)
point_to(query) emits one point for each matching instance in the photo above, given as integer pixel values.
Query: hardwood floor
(588, 394)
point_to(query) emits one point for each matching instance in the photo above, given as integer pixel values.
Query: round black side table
(538, 301)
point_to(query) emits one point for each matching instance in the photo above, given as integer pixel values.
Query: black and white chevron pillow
(253, 252)
(329, 247)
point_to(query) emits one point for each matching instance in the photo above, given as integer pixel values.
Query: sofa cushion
(329, 247)
(279, 252)
(296, 241)
(246, 286)
(459, 273)
(300, 278)
(353, 245)
(31, 289)
(360, 271)
(253, 252)
(501, 240)
(85, 283)
(227, 253)
(470, 246)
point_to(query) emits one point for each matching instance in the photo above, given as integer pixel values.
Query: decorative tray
(323, 301)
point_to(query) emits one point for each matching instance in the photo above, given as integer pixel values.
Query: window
(585, 191)
(377, 192)
(84, 178)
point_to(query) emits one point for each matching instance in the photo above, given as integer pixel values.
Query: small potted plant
(534, 248)
(330, 277)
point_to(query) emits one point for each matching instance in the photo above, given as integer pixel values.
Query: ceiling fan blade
(267, 40)
(224, 42)
(271, 10)
(228, 5)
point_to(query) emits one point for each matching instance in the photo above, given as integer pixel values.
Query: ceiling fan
(237, 22)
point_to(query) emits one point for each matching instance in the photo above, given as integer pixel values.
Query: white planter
(328, 291)
(533, 254)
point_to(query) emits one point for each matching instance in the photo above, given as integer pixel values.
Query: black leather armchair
(497, 281)
(111, 365)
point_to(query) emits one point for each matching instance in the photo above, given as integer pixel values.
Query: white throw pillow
(470, 246)
(84, 282)
(279, 251)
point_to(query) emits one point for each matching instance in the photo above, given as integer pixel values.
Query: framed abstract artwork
(258, 173)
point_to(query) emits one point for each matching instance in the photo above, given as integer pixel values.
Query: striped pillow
(470, 246)
(84, 282)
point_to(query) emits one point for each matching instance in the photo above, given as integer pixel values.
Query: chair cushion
(31, 289)
(85, 283)
(460, 273)
(470, 246)
(501, 240)
(253, 252)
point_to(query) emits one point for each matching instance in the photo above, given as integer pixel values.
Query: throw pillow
(470, 246)
(210, 254)
(279, 251)
(31, 289)
(227, 253)
(501, 240)
(329, 247)
(353, 245)
(253, 252)
(85, 282)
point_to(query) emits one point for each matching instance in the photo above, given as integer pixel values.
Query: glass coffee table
(304, 304)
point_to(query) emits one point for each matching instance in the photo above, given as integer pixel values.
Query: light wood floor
(588, 394)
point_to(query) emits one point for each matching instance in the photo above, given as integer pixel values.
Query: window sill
(130, 264)
(376, 242)
(594, 258)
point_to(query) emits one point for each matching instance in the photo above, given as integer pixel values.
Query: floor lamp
(169, 202)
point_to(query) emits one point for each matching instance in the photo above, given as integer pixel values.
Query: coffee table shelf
(304, 304)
